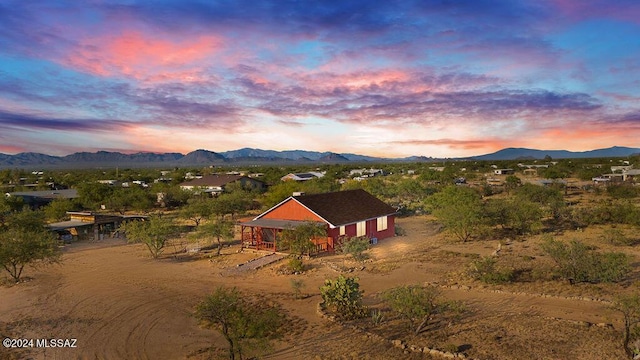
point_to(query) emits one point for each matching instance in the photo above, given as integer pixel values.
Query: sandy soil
(120, 304)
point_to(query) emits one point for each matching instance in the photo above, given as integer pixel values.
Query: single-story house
(216, 183)
(366, 172)
(344, 213)
(630, 175)
(89, 225)
(503, 171)
(37, 199)
(302, 176)
(621, 168)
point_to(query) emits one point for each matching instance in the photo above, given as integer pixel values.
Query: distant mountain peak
(202, 157)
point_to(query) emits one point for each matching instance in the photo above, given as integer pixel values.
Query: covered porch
(266, 234)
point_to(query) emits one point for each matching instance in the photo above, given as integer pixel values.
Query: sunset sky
(383, 78)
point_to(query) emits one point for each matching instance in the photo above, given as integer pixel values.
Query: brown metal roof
(275, 223)
(345, 207)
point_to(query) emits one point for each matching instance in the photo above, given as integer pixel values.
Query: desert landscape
(119, 303)
(320, 180)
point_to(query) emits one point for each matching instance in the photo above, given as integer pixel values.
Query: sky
(389, 78)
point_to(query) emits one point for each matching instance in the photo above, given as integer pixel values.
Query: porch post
(275, 234)
(241, 237)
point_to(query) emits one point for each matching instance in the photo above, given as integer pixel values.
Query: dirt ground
(120, 304)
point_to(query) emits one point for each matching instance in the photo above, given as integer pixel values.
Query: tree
(356, 246)
(298, 239)
(196, 210)
(242, 321)
(344, 296)
(170, 196)
(579, 263)
(232, 203)
(629, 306)
(221, 230)
(25, 241)
(92, 195)
(416, 304)
(153, 232)
(521, 216)
(459, 209)
(57, 209)
(511, 182)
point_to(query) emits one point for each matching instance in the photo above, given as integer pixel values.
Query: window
(382, 223)
(361, 228)
(342, 231)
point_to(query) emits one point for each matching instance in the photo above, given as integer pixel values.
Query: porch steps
(256, 263)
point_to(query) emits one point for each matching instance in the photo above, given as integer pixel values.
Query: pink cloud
(144, 57)
(12, 149)
(458, 144)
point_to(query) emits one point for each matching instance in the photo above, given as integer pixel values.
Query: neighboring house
(533, 166)
(86, 225)
(217, 183)
(622, 168)
(110, 182)
(366, 172)
(503, 171)
(344, 213)
(302, 176)
(630, 175)
(37, 199)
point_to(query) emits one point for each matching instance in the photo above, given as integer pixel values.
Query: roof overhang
(276, 223)
(68, 224)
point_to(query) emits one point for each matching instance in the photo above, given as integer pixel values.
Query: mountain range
(247, 156)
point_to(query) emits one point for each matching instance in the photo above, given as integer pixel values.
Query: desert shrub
(418, 304)
(295, 264)
(487, 190)
(459, 209)
(622, 191)
(629, 306)
(578, 262)
(538, 194)
(617, 237)
(298, 240)
(344, 297)
(521, 216)
(611, 212)
(246, 323)
(485, 270)
(356, 246)
(297, 285)
(377, 317)
(399, 231)
(450, 347)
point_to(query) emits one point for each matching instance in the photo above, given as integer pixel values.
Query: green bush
(622, 191)
(356, 246)
(617, 237)
(344, 297)
(377, 317)
(419, 304)
(485, 270)
(578, 262)
(295, 265)
(610, 212)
